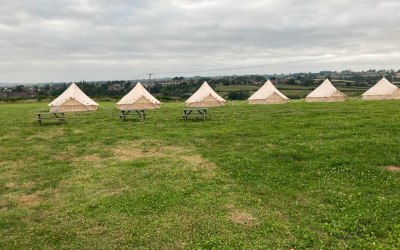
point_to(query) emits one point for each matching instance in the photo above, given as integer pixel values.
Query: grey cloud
(65, 40)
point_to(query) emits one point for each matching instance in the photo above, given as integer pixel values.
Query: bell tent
(138, 98)
(268, 94)
(205, 96)
(72, 100)
(326, 92)
(381, 91)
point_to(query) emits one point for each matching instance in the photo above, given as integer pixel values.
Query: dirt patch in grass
(102, 193)
(78, 131)
(72, 153)
(89, 158)
(10, 170)
(25, 200)
(29, 199)
(19, 186)
(199, 164)
(156, 149)
(126, 154)
(97, 230)
(141, 149)
(393, 168)
(3, 205)
(241, 217)
(48, 134)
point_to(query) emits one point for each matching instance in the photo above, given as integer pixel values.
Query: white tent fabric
(205, 96)
(72, 100)
(138, 98)
(382, 90)
(267, 94)
(325, 92)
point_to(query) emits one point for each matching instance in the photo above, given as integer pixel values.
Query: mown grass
(300, 175)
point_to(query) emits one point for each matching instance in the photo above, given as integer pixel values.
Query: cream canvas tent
(138, 98)
(72, 100)
(381, 91)
(326, 92)
(268, 94)
(205, 96)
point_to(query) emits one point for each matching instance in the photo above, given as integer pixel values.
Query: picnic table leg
(139, 113)
(203, 113)
(188, 113)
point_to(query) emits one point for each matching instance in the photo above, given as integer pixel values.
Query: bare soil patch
(141, 149)
(393, 168)
(241, 217)
(199, 164)
(48, 134)
(150, 149)
(25, 200)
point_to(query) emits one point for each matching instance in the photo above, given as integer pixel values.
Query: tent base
(325, 99)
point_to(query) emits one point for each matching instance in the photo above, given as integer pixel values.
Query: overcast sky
(69, 40)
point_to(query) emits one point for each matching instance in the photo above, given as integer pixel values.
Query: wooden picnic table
(134, 112)
(50, 116)
(192, 111)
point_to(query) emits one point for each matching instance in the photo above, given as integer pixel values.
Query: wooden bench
(135, 112)
(192, 111)
(50, 116)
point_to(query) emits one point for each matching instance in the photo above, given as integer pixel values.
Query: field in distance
(299, 175)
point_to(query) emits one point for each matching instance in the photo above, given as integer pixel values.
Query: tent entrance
(70, 105)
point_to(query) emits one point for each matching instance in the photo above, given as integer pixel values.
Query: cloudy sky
(69, 40)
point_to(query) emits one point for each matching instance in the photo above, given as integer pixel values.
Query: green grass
(300, 175)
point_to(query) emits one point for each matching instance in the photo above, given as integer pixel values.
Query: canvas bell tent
(138, 98)
(205, 96)
(72, 100)
(381, 91)
(268, 94)
(326, 92)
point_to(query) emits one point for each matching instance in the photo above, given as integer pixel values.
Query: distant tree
(307, 82)
(238, 95)
(389, 77)
(19, 88)
(260, 78)
(291, 81)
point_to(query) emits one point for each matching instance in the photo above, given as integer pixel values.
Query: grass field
(300, 175)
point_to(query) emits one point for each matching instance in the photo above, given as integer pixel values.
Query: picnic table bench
(135, 112)
(192, 111)
(50, 116)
